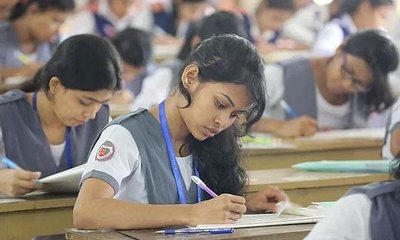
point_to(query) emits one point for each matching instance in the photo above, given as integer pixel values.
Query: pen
(203, 186)
(10, 164)
(289, 110)
(24, 59)
(196, 230)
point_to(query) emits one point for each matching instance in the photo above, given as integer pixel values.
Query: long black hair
(82, 62)
(379, 51)
(233, 60)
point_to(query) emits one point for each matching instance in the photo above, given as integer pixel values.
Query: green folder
(368, 166)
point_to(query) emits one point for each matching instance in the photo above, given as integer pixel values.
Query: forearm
(117, 214)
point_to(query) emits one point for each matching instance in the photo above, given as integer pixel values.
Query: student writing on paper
(27, 40)
(52, 128)
(340, 91)
(138, 174)
(353, 16)
(364, 213)
(391, 145)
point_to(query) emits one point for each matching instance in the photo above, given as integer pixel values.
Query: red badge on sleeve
(105, 151)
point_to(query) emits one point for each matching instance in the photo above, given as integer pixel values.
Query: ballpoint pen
(9, 163)
(196, 231)
(289, 110)
(203, 186)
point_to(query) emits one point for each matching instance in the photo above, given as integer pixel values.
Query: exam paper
(66, 181)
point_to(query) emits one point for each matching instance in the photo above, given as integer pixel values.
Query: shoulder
(348, 219)
(11, 96)
(6, 33)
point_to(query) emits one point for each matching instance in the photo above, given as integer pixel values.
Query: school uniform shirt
(332, 35)
(348, 219)
(26, 144)
(10, 49)
(306, 23)
(155, 89)
(293, 81)
(367, 212)
(393, 123)
(105, 23)
(122, 166)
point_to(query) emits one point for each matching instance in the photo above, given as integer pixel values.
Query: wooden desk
(305, 187)
(35, 215)
(349, 149)
(289, 232)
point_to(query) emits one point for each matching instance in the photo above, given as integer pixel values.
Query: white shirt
(155, 89)
(328, 115)
(306, 23)
(57, 152)
(347, 220)
(394, 124)
(123, 171)
(332, 116)
(331, 36)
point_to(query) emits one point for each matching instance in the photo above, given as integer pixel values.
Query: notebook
(263, 220)
(66, 181)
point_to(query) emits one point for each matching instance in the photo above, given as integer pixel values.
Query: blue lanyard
(68, 151)
(180, 186)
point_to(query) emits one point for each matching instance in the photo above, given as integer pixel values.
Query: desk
(35, 215)
(348, 149)
(289, 232)
(305, 187)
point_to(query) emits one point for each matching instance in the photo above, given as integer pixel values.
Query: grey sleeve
(103, 176)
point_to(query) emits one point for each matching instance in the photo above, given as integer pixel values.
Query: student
(128, 182)
(157, 86)
(108, 17)
(52, 129)
(354, 15)
(368, 212)
(391, 145)
(269, 19)
(340, 91)
(26, 41)
(135, 48)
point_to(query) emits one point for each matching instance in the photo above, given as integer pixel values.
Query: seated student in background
(370, 212)
(340, 91)
(27, 40)
(135, 48)
(51, 129)
(391, 145)
(157, 86)
(128, 182)
(354, 15)
(270, 16)
(108, 17)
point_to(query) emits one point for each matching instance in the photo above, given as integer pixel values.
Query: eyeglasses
(358, 85)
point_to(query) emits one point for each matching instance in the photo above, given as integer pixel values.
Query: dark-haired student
(51, 129)
(353, 16)
(135, 48)
(370, 212)
(138, 173)
(340, 91)
(27, 40)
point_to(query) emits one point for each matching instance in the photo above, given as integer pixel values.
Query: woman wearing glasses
(337, 92)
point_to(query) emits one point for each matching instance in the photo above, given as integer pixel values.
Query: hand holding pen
(15, 181)
(225, 208)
